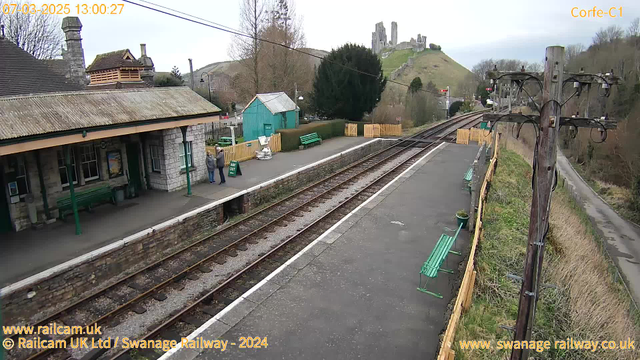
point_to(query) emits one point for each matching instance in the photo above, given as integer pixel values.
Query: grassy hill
(429, 65)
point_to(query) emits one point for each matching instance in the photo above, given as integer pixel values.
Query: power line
(230, 30)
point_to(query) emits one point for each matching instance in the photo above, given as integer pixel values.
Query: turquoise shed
(267, 113)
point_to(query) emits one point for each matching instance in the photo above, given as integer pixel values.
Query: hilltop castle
(379, 40)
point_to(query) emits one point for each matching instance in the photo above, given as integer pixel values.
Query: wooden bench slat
(433, 265)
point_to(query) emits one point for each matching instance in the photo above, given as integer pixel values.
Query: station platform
(29, 252)
(352, 292)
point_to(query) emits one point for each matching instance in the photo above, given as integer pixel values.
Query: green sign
(234, 169)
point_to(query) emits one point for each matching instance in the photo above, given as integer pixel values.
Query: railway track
(104, 307)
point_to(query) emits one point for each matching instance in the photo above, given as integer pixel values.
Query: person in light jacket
(211, 167)
(220, 164)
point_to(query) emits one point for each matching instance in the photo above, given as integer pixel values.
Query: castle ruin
(379, 40)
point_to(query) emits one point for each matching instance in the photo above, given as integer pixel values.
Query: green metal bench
(310, 139)
(85, 199)
(467, 178)
(433, 265)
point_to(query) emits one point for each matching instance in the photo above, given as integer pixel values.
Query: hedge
(326, 129)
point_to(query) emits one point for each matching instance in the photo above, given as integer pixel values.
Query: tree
(609, 35)
(175, 72)
(433, 46)
(480, 69)
(572, 51)
(339, 91)
(416, 85)
(634, 28)
(283, 69)
(246, 50)
(38, 34)
(431, 87)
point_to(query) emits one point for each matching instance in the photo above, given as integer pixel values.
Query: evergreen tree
(339, 92)
(416, 85)
(175, 72)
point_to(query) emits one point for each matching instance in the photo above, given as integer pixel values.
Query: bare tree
(38, 34)
(535, 67)
(283, 67)
(609, 35)
(480, 69)
(247, 50)
(634, 28)
(572, 51)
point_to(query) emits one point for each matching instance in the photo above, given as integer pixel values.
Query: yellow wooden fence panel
(390, 130)
(462, 136)
(372, 130)
(350, 130)
(247, 150)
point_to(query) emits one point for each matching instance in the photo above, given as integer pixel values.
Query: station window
(17, 175)
(62, 169)
(89, 162)
(156, 157)
(189, 155)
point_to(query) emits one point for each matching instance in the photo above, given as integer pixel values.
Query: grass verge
(588, 303)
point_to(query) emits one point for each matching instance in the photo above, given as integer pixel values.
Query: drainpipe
(186, 158)
(43, 187)
(74, 204)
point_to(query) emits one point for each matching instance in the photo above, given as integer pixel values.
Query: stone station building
(129, 139)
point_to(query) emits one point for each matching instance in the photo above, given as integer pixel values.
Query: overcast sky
(468, 31)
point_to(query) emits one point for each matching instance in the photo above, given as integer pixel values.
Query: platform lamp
(208, 82)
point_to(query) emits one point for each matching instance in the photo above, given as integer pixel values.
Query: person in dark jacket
(211, 167)
(220, 164)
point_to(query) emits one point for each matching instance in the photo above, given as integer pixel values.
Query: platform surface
(353, 293)
(28, 252)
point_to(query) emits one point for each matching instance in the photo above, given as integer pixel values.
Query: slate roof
(21, 73)
(113, 60)
(24, 116)
(59, 66)
(276, 102)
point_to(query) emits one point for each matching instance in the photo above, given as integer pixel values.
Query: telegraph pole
(544, 179)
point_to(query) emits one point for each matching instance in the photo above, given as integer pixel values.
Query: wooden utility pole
(543, 181)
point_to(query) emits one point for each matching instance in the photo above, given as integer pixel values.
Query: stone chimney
(74, 55)
(149, 70)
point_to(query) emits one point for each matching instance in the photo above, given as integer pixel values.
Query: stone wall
(175, 174)
(95, 272)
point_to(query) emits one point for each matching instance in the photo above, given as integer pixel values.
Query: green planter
(462, 220)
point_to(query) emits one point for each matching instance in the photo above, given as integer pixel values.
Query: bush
(326, 129)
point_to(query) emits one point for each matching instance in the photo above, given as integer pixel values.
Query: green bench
(85, 199)
(433, 265)
(310, 139)
(467, 178)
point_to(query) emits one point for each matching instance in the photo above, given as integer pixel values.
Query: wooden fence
(247, 150)
(350, 129)
(372, 130)
(463, 136)
(463, 300)
(377, 130)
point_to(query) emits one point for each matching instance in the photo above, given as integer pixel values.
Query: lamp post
(297, 97)
(208, 82)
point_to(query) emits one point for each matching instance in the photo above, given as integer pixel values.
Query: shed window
(189, 155)
(89, 162)
(156, 157)
(62, 169)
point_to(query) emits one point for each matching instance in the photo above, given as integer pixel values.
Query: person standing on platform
(211, 167)
(220, 164)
